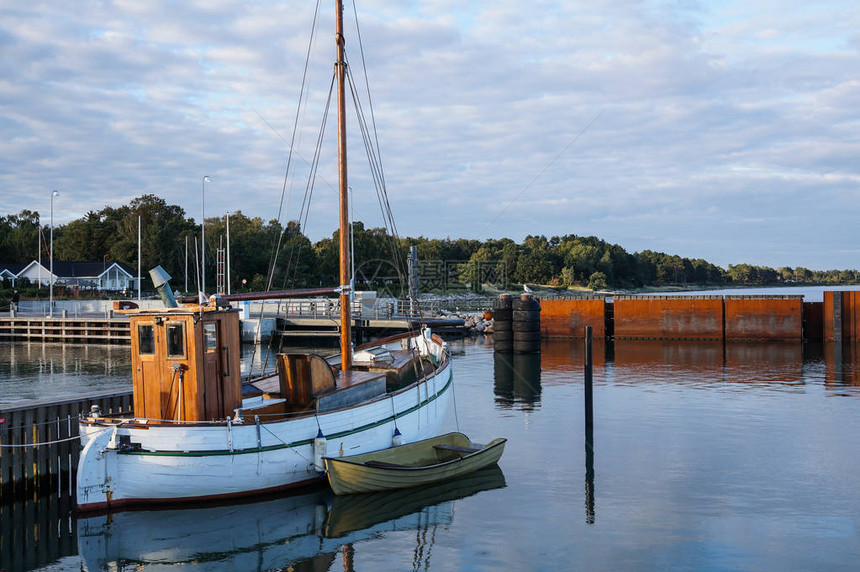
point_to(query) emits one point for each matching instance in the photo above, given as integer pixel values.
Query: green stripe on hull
(294, 444)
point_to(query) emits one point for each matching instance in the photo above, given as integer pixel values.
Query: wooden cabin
(185, 364)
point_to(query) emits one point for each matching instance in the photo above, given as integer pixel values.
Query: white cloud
(712, 114)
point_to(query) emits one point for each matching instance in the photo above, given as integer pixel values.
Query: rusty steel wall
(851, 315)
(832, 316)
(568, 317)
(669, 317)
(764, 318)
(777, 318)
(841, 315)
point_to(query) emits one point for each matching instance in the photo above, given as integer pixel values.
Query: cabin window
(210, 337)
(146, 339)
(175, 340)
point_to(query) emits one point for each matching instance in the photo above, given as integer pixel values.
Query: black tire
(503, 314)
(503, 326)
(502, 336)
(526, 336)
(526, 315)
(502, 303)
(526, 326)
(526, 347)
(529, 304)
(506, 347)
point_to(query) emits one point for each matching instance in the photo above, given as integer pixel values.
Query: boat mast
(345, 282)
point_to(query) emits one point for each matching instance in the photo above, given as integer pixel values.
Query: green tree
(597, 281)
(19, 237)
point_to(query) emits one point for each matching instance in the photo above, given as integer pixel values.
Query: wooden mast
(345, 283)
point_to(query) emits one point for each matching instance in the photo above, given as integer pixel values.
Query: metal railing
(377, 309)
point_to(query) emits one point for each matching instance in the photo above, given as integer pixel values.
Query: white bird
(526, 288)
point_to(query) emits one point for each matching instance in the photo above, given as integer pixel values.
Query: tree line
(171, 239)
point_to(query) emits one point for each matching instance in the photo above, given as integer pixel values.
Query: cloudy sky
(723, 130)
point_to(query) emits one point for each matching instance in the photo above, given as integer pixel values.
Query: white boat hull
(169, 463)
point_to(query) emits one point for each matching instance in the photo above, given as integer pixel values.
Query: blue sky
(728, 131)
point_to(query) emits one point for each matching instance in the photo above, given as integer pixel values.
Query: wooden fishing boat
(421, 463)
(197, 433)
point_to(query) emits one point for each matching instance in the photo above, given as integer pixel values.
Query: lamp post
(51, 296)
(206, 179)
(228, 253)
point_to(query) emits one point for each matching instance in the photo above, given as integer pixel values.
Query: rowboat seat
(384, 465)
(456, 449)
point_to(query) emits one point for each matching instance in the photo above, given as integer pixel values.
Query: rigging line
(299, 105)
(539, 175)
(304, 212)
(305, 208)
(378, 178)
(367, 86)
(308, 191)
(296, 151)
(372, 144)
(273, 258)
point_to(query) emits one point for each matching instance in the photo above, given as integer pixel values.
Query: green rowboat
(421, 463)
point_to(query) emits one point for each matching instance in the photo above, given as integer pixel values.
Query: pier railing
(378, 309)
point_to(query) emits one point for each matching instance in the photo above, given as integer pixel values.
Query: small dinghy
(412, 465)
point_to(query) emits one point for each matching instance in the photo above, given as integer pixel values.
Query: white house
(10, 272)
(87, 275)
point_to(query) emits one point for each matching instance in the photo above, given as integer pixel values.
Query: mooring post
(589, 406)
(589, 429)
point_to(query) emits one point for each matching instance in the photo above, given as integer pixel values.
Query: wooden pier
(72, 330)
(116, 330)
(313, 327)
(39, 445)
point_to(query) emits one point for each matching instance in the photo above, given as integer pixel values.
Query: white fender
(93, 484)
(319, 452)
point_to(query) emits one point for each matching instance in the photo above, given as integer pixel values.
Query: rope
(40, 443)
(36, 424)
(293, 449)
(454, 396)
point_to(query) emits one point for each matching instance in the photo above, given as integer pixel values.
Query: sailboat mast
(345, 314)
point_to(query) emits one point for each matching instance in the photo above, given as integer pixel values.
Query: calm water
(705, 457)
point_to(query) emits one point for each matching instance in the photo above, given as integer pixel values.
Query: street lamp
(228, 253)
(51, 296)
(206, 179)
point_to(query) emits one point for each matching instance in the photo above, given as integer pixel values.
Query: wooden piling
(589, 406)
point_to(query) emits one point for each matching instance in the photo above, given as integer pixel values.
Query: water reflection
(842, 364)
(33, 533)
(35, 370)
(590, 516)
(736, 366)
(517, 380)
(299, 532)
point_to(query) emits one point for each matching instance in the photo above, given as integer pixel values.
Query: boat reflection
(302, 532)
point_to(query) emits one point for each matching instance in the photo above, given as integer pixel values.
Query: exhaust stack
(161, 279)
